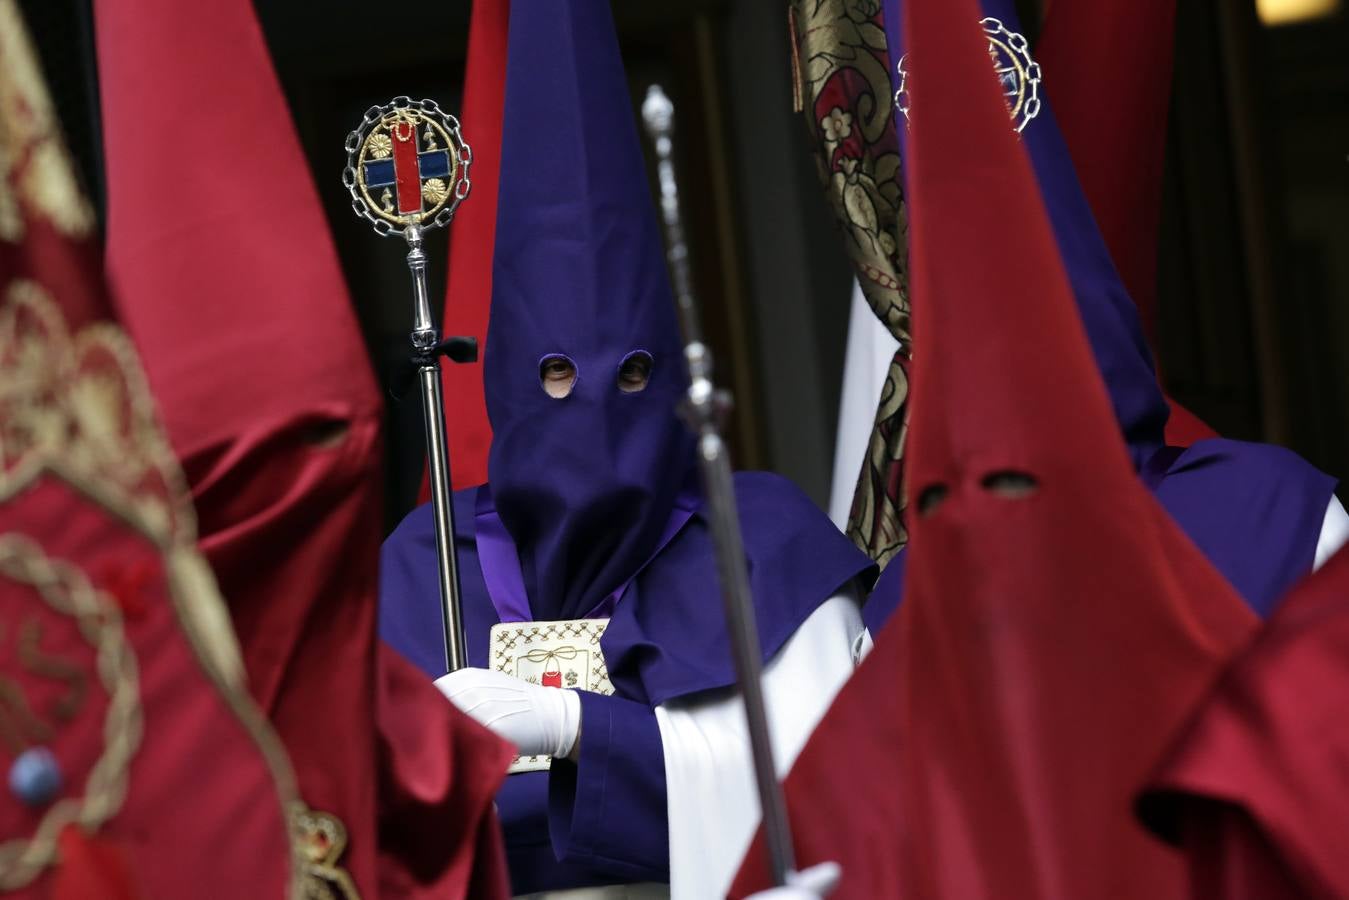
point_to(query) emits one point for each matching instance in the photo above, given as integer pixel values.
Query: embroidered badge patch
(321, 838)
(563, 654)
(407, 164)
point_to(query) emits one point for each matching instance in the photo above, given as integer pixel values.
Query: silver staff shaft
(425, 338)
(703, 408)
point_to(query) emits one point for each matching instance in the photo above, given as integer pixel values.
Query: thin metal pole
(425, 337)
(703, 408)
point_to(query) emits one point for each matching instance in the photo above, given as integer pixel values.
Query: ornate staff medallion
(407, 171)
(1018, 74)
(407, 164)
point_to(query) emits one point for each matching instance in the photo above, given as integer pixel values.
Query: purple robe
(603, 821)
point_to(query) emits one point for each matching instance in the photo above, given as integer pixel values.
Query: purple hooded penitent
(592, 507)
(585, 484)
(1254, 510)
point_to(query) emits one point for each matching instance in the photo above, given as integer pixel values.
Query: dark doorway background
(1254, 273)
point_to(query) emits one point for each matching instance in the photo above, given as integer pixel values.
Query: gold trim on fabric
(33, 157)
(322, 838)
(79, 408)
(65, 589)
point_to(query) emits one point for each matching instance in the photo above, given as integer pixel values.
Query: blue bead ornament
(35, 777)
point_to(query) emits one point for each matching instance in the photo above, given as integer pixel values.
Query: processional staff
(407, 170)
(703, 408)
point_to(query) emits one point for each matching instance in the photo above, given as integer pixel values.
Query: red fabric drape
(468, 300)
(1052, 641)
(89, 501)
(1109, 65)
(1230, 860)
(1258, 790)
(438, 831)
(228, 280)
(1183, 428)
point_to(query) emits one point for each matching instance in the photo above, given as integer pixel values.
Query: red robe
(1057, 627)
(116, 656)
(227, 278)
(1257, 792)
(1109, 65)
(468, 295)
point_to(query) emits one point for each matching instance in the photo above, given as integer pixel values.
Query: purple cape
(604, 821)
(1254, 510)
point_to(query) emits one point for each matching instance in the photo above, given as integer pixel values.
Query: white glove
(537, 720)
(814, 883)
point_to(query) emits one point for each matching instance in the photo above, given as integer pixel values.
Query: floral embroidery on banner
(843, 87)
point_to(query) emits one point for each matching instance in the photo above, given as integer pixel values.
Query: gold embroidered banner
(842, 84)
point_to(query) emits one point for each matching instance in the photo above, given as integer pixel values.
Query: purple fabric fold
(1254, 510)
(501, 566)
(666, 639)
(608, 810)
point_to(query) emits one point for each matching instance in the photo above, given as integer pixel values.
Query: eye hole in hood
(1010, 484)
(635, 371)
(557, 375)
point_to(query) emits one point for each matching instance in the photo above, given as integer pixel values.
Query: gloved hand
(814, 883)
(537, 720)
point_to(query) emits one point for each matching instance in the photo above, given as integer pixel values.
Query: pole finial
(658, 113)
